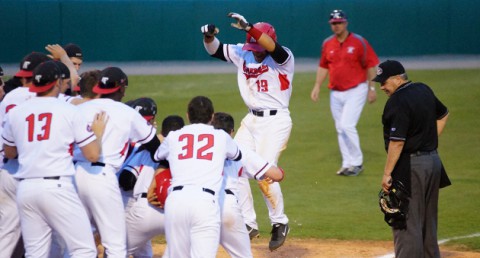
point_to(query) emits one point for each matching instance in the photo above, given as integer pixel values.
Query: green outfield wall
(163, 30)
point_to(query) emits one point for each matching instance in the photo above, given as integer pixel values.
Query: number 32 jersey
(196, 154)
(265, 85)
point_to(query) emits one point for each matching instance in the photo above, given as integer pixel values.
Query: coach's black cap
(388, 69)
(73, 50)
(337, 16)
(64, 71)
(45, 75)
(29, 63)
(145, 106)
(111, 79)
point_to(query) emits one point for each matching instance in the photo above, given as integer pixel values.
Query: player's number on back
(43, 131)
(200, 146)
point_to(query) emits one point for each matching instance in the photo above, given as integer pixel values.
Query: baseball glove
(394, 205)
(163, 180)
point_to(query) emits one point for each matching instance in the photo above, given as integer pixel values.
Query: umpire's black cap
(388, 69)
(73, 50)
(45, 76)
(111, 79)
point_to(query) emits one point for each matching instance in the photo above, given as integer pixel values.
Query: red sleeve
(323, 58)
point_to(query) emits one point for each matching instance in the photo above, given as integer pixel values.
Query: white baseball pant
(346, 107)
(268, 137)
(233, 235)
(100, 194)
(45, 205)
(144, 222)
(9, 220)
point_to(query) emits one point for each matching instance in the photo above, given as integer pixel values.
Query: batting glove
(242, 23)
(209, 30)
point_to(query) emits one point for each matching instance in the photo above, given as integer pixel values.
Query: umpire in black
(413, 118)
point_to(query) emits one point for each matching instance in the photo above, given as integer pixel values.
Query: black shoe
(252, 232)
(279, 234)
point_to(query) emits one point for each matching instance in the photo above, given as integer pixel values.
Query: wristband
(255, 33)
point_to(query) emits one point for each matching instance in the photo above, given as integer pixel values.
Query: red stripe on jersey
(151, 130)
(240, 171)
(284, 82)
(9, 107)
(260, 171)
(125, 148)
(80, 142)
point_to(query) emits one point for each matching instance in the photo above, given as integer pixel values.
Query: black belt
(421, 153)
(262, 113)
(98, 164)
(46, 178)
(228, 191)
(143, 195)
(180, 187)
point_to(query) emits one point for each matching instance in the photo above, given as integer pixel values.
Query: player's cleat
(354, 171)
(342, 171)
(252, 232)
(279, 234)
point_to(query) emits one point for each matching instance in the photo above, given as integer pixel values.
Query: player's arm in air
(58, 53)
(215, 48)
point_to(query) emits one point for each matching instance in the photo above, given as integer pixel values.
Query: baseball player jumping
(265, 75)
(46, 195)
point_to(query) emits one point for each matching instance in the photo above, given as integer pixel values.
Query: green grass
(322, 205)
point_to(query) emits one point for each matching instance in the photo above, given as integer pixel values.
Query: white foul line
(440, 242)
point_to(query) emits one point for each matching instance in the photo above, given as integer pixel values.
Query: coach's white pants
(346, 107)
(45, 205)
(9, 219)
(268, 137)
(100, 194)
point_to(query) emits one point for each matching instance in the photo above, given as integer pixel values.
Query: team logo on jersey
(251, 72)
(350, 50)
(26, 64)
(379, 71)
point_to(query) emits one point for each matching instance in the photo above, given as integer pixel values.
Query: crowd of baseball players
(81, 168)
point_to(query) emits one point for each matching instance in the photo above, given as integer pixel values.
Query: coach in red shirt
(349, 60)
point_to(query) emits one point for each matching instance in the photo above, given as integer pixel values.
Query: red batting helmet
(264, 27)
(163, 180)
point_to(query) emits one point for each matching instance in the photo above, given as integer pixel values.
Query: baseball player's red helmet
(251, 44)
(163, 180)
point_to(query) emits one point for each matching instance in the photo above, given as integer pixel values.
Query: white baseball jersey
(67, 98)
(196, 154)
(124, 125)
(265, 85)
(43, 129)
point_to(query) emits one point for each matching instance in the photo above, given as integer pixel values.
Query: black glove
(127, 180)
(209, 30)
(394, 205)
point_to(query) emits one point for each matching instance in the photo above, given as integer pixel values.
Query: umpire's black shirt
(411, 115)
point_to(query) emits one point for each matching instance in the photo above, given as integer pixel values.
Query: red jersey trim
(258, 172)
(148, 136)
(80, 142)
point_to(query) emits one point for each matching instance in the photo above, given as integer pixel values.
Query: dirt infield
(313, 248)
